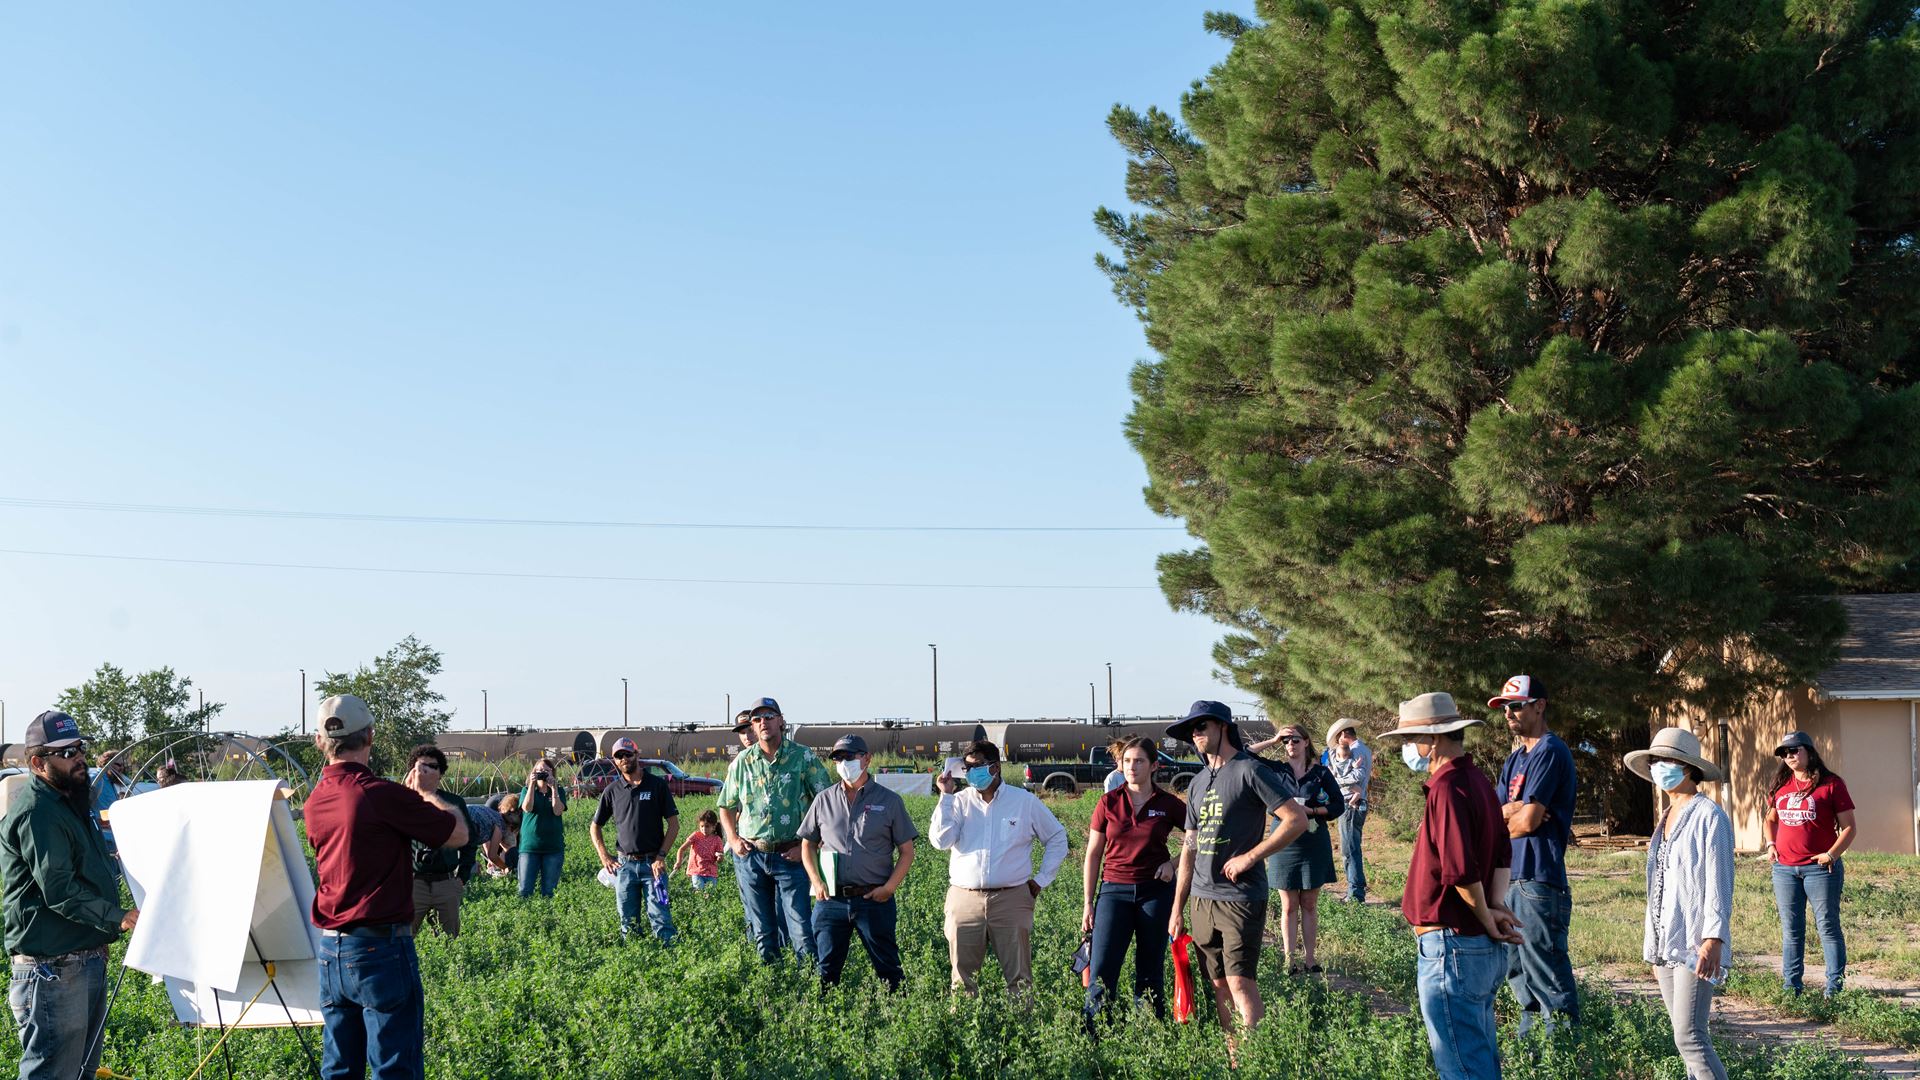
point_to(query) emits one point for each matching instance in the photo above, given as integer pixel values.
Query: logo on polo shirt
(1156, 813)
(645, 795)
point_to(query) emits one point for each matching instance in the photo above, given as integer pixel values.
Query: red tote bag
(1182, 978)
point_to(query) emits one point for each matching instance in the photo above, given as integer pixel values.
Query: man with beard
(60, 905)
(645, 823)
(769, 787)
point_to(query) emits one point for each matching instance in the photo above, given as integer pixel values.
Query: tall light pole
(728, 718)
(3, 720)
(936, 681)
(483, 710)
(1093, 710)
(623, 701)
(1109, 691)
(303, 701)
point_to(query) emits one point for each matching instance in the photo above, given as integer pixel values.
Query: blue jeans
(775, 891)
(633, 889)
(836, 921)
(1793, 886)
(1458, 976)
(1133, 915)
(1351, 823)
(545, 866)
(1539, 969)
(375, 1012)
(58, 1006)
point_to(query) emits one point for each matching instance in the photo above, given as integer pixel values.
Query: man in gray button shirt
(847, 843)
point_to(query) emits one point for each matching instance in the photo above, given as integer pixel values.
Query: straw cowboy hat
(1345, 723)
(1430, 714)
(1676, 744)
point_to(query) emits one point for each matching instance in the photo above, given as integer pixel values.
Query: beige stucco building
(1864, 716)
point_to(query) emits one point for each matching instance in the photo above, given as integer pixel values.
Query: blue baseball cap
(851, 745)
(765, 704)
(54, 729)
(1200, 711)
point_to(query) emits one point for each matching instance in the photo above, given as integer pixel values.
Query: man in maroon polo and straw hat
(1456, 890)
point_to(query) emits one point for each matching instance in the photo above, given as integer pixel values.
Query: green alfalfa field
(544, 988)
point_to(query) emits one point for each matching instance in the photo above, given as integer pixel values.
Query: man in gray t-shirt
(1223, 865)
(847, 843)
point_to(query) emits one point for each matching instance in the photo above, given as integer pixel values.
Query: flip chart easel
(221, 880)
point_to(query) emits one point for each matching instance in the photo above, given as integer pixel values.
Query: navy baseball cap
(849, 745)
(765, 704)
(1203, 710)
(53, 729)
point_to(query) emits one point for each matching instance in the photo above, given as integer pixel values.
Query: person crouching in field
(1223, 862)
(362, 829)
(847, 844)
(702, 849)
(1456, 890)
(646, 822)
(1689, 893)
(991, 828)
(437, 885)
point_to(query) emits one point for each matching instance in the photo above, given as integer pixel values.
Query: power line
(430, 519)
(531, 576)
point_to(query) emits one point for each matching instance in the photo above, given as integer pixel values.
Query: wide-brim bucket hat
(1675, 744)
(1430, 714)
(1202, 711)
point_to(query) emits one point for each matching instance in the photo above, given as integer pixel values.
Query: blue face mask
(981, 777)
(1668, 775)
(1415, 759)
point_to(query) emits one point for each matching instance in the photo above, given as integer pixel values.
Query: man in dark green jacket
(60, 903)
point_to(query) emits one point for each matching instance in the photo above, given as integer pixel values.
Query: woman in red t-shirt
(1810, 823)
(1128, 881)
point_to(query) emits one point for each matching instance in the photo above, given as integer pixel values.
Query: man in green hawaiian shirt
(769, 787)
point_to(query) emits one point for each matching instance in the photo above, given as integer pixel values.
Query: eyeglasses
(1291, 739)
(66, 753)
(1515, 706)
(1792, 750)
(423, 763)
(622, 755)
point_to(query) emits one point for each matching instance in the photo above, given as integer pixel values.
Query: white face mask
(1413, 757)
(850, 769)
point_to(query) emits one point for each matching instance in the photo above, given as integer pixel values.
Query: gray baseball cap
(343, 714)
(848, 744)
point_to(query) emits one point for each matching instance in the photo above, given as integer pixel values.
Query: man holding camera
(61, 907)
(769, 787)
(362, 829)
(646, 823)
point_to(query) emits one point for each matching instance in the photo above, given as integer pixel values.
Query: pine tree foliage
(1565, 336)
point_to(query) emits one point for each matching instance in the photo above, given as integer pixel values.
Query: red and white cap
(624, 743)
(1520, 688)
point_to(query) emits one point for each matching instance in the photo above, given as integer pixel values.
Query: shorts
(702, 882)
(1227, 934)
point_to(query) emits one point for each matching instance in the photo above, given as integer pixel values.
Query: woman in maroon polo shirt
(1128, 881)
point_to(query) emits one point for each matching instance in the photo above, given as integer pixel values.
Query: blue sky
(755, 264)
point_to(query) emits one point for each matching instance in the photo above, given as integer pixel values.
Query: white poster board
(221, 880)
(906, 783)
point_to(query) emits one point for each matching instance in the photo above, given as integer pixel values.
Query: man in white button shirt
(989, 829)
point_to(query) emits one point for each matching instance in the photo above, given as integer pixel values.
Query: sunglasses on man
(66, 753)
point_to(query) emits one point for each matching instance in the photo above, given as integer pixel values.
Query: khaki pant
(1002, 918)
(440, 899)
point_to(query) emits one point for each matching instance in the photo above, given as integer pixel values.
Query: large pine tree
(1569, 336)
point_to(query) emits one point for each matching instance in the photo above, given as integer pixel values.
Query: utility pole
(728, 718)
(1109, 691)
(623, 701)
(303, 701)
(936, 681)
(3, 720)
(483, 710)
(1093, 709)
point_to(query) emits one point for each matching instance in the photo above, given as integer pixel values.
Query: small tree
(116, 709)
(398, 691)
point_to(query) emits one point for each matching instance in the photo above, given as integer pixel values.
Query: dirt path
(1749, 1024)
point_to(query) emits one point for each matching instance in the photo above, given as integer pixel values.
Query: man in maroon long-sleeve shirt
(1456, 890)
